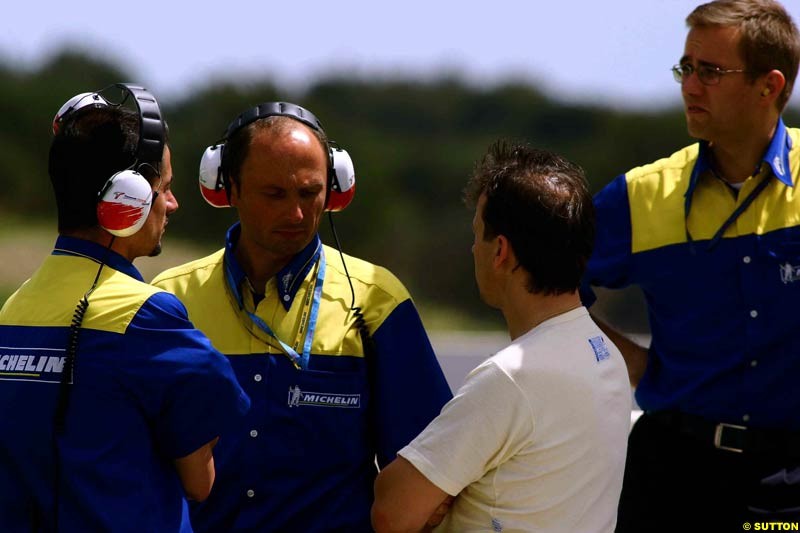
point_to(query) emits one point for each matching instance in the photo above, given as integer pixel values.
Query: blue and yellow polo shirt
(721, 310)
(148, 388)
(306, 461)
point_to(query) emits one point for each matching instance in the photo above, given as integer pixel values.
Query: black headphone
(125, 199)
(214, 181)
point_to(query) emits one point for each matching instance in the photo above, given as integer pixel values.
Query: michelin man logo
(294, 396)
(789, 273)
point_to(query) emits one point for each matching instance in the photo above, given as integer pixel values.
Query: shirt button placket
(258, 377)
(752, 331)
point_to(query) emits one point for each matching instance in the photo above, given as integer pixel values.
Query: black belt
(731, 437)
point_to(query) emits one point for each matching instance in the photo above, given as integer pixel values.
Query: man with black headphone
(113, 399)
(329, 347)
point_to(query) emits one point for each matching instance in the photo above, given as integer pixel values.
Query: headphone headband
(274, 109)
(152, 130)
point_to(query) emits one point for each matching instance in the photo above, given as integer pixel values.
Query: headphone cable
(367, 342)
(361, 323)
(67, 378)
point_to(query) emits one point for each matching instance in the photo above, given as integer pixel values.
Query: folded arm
(196, 472)
(405, 500)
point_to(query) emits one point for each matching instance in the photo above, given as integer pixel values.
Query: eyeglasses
(707, 74)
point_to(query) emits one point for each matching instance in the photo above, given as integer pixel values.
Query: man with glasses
(712, 236)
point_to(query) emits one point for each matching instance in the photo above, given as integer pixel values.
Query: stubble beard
(156, 251)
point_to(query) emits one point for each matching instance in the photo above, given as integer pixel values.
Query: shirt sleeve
(410, 387)
(188, 388)
(483, 426)
(610, 264)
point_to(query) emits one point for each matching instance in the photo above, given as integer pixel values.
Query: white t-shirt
(535, 439)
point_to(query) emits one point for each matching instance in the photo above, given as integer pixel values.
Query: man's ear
(503, 254)
(774, 82)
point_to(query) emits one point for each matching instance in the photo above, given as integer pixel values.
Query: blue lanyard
(733, 216)
(776, 157)
(308, 319)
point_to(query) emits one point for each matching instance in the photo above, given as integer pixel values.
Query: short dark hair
(237, 147)
(90, 147)
(541, 203)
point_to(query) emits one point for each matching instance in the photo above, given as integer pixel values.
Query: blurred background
(415, 91)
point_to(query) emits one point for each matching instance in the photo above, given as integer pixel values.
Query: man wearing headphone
(112, 407)
(330, 348)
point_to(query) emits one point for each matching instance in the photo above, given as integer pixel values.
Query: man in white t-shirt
(535, 439)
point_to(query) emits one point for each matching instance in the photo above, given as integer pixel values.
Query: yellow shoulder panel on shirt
(656, 195)
(177, 279)
(378, 291)
(200, 285)
(49, 298)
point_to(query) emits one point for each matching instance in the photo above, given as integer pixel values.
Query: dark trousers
(675, 482)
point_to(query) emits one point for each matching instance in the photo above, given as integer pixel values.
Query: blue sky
(616, 52)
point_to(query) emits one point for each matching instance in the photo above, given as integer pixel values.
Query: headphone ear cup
(212, 185)
(124, 203)
(342, 186)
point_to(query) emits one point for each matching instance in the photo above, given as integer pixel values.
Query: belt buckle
(718, 437)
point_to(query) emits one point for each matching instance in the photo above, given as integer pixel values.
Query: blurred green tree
(414, 145)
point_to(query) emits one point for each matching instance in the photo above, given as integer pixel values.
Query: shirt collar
(776, 156)
(288, 279)
(96, 252)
